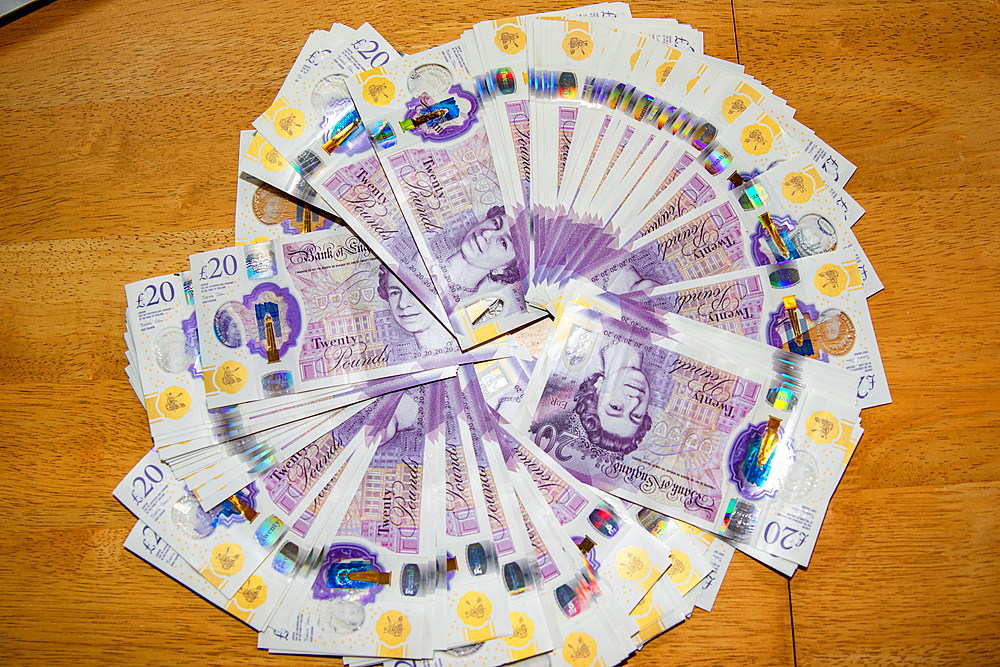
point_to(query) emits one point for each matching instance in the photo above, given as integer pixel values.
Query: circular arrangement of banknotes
(353, 457)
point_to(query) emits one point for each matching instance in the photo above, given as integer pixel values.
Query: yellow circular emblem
(579, 649)
(173, 402)
(663, 71)
(230, 377)
(688, 528)
(227, 559)
(822, 427)
(757, 139)
(378, 91)
(524, 630)
(289, 123)
(680, 566)
(578, 45)
(252, 594)
(632, 563)
(733, 106)
(272, 159)
(831, 280)
(797, 187)
(392, 628)
(510, 39)
(643, 607)
(474, 609)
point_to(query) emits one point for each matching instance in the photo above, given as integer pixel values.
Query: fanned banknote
(814, 306)
(310, 311)
(313, 123)
(373, 591)
(424, 117)
(725, 448)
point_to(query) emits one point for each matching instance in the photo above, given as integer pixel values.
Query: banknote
(132, 369)
(721, 236)
(237, 463)
(150, 547)
(530, 634)
(471, 601)
(581, 152)
(311, 99)
(695, 192)
(161, 322)
(314, 124)
(624, 557)
(828, 318)
(724, 447)
(503, 381)
(672, 599)
(553, 581)
(181, 423)
(310, 311)
(607, 128)
(254, 600)
(302, 549)
(256, 416)
(260, 161)
(429, 135)
(721, 99)
(709, 244)
(745, 151)
(687, 544)
(296, 493)
(713, 553)
(589, 627)
(372, 592)
(502, 87)
(289, 487)
(657, 612)
(225, 544)
(836, 382)
(645, 181)
(566, 56)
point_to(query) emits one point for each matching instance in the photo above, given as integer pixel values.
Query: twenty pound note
(310, 311)
(724, 447)
(430, 136)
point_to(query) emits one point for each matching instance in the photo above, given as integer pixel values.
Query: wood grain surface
(118, 159)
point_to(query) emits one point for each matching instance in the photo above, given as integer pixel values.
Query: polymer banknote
(623, 556)
(424, 116)
(310, 311)
(164, 333)
(314, 124)
(702, 439)
(225, 544)
(472, 602)
(720, 237)
(828, 318)
(373, 591)
(261, 162)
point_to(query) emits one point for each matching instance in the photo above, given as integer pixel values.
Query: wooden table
(118, 160)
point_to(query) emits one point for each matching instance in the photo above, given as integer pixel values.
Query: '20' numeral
(217, 269)
(368, 49)
(784, 536)
(143, 486)
(150, 296)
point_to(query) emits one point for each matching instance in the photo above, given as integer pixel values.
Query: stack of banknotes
(351, 456)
